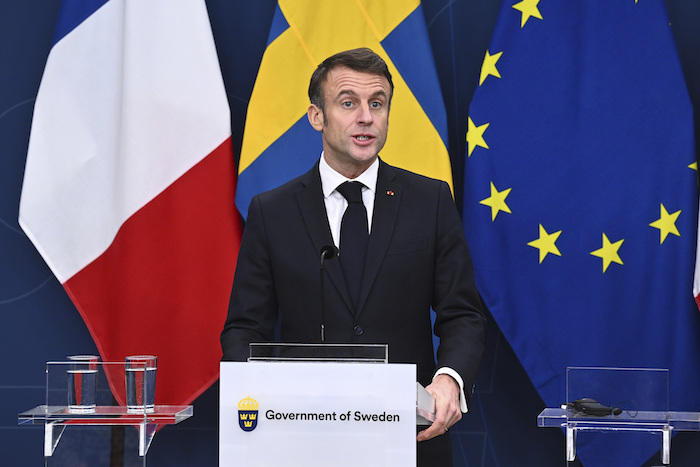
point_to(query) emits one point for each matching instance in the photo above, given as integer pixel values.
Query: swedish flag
(581, 199)
(279, 143)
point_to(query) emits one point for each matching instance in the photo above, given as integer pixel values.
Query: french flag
(128, 191)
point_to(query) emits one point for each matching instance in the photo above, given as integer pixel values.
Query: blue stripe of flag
(72, 13)
(413, 57)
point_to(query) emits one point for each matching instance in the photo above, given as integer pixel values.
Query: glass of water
(140, 383)
(82, 383)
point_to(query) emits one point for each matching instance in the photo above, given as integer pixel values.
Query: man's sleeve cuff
(462, 398)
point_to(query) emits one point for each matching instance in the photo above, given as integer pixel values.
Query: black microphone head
(328, 251)
(594, 408)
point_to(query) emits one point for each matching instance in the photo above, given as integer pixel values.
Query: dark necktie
(354, 235)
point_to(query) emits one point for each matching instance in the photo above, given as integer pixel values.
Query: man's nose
(364, 114)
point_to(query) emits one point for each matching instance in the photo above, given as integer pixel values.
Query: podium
(318, 406)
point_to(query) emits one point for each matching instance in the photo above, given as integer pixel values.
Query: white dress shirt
(335, 208)
(336, 203)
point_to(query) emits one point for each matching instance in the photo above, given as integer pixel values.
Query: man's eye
(346, 104)
(376, 105)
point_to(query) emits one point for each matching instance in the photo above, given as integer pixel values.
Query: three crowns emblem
(248, 414)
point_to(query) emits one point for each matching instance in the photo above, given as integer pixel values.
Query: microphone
(327, 252)
(594, 408)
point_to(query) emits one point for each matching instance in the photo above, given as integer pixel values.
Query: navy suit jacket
(417, 259)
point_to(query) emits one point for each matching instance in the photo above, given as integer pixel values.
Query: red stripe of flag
(163, 285)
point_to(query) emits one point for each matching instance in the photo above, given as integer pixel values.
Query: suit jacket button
(358, 330)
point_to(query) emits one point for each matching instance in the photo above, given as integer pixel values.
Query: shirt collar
(330, 179)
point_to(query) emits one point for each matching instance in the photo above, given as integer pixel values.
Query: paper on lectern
(425, 406)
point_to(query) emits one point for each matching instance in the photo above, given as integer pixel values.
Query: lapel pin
(390, 193)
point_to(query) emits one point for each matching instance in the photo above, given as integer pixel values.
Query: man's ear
(315, 115)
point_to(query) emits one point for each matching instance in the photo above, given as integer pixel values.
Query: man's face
(356, 119)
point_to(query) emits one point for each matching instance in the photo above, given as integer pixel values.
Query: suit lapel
(313, 211)
(386, 209)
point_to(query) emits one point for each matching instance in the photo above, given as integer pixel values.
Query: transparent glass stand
(56, 418)
(334, 353)
(660, 422)
(636, 399)
(97, 404)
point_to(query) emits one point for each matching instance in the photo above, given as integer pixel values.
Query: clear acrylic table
(660, 422)
(56, 418)
(640, 396)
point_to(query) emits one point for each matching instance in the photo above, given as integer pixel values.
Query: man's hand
(445, 390)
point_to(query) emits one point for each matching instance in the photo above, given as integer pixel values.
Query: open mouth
(363, 138)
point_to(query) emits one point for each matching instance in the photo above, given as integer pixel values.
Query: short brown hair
(362, 59)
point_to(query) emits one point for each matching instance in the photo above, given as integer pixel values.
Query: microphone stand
(323, 299)
(327, 251)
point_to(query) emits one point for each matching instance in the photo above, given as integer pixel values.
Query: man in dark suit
(416, 254)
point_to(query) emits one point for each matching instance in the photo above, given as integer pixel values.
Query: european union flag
(280, 144)
(580, 201)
